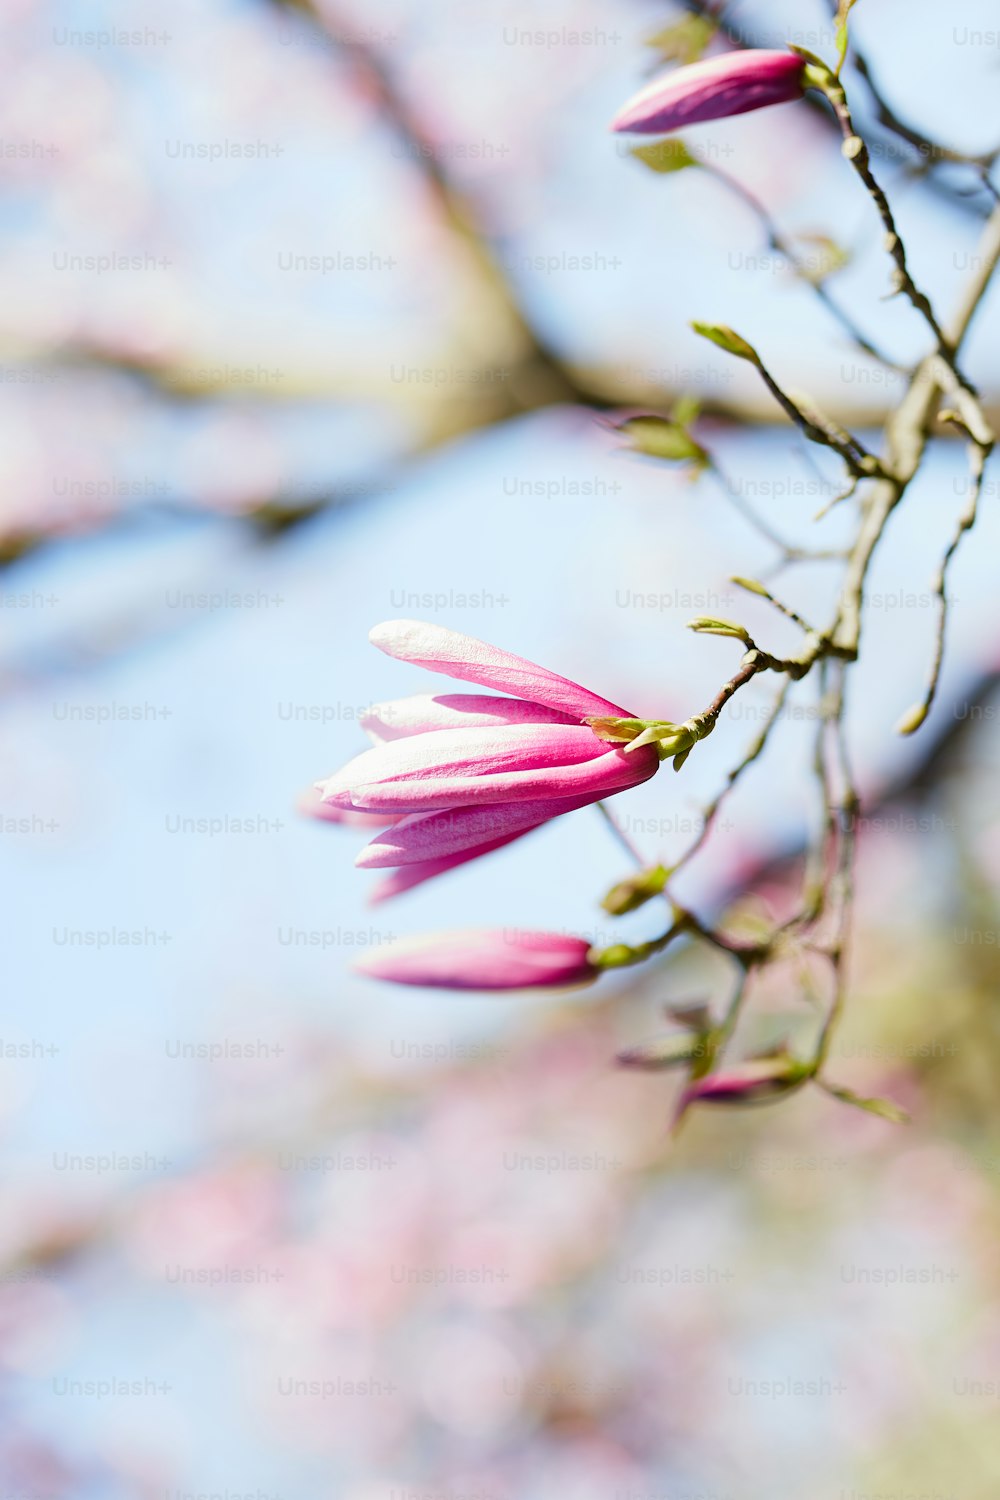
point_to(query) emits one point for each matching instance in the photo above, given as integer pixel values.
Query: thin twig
(845, 811)
(620, 834)
(965, 523)
(859, 461)
(789, 550)
(753, 752)
(856, 152)
(753, 587)
(781, 246)
(930, 151)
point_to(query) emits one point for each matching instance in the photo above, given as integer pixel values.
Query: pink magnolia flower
(491, 959)
(457, 775)
(711, 90)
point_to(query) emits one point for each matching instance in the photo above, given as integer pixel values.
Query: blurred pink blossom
(483, 960)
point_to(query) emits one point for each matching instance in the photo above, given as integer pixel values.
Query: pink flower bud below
(489, 959)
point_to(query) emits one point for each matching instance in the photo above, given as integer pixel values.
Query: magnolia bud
(750, 1083)
(713, 89)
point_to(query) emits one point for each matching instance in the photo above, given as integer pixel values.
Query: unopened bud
(751, 585)
(662, 437)
(629, 895)
(912, 719)
(710, 625)
(728, 339)
(617, 956)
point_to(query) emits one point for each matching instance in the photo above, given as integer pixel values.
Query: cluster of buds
(453, 777)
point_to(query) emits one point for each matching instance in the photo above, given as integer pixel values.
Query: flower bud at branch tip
(707, 625)
(912, 719)
(713, 89)
(751, 585)
(727, 338)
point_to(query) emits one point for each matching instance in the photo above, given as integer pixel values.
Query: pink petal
(425, 712)
(462, 656)
(424, 838)
(311, 803)
(713, 89)
(411, 875)
(488, 960)
(441, 755)
(607, 773)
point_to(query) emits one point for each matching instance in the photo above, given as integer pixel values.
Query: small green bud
(853, 147)
(618, 956)
(665, 156)
(751, 585)
(912, 719)
(660, 437)
(629, 895)
(709, 625)
(728, 339)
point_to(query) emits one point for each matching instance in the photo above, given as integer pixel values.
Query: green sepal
(628, 895)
